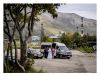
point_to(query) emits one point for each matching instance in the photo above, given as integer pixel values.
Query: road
(79, 63)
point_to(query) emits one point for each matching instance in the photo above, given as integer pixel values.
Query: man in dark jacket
(46, 52)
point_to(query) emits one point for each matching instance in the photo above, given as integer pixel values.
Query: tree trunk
(23, 49)
(20, 66)
(23, 52)
(11, 54)
(7, 55)
(15, 51)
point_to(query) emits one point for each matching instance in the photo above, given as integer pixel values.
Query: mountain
(65, 22)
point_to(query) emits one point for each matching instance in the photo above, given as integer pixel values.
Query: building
(36, 40)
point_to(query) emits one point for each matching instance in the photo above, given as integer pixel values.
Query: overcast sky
(85, 10)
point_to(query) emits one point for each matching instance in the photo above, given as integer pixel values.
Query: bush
(13, 68)
(33, 70)
(86, 49)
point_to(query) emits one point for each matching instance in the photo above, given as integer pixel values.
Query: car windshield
(63, 48)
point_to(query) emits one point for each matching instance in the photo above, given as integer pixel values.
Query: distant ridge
(66, 22)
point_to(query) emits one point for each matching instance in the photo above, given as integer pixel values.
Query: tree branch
(24, 18)
(32, 18)
(9, 9)
(5, 19)
(7, 33)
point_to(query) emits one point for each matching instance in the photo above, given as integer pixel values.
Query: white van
(62, 51)
(45, 45)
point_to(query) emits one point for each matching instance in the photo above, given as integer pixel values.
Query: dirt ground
(79, 63)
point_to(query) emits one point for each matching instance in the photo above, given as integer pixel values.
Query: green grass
(13, 68)
(30, 45)
(34, 70)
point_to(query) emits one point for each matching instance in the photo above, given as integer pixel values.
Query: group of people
(49, 53)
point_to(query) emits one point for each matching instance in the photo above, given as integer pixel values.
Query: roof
(60, 44)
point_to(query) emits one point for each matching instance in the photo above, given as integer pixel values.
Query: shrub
(13, 68)
(86, 49)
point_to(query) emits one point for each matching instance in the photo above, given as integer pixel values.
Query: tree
(67, 39)
(47, 39)
(76, 38)
(9, 31)
(24, 16)
(63, 38)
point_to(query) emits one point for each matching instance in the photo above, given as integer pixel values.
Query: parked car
(62, 51)
(35, 53)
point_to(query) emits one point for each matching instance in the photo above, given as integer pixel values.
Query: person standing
(53, 50)
(46, 52)
(55, 53)
(49, 54)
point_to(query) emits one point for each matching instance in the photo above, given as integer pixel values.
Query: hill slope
(66, 22)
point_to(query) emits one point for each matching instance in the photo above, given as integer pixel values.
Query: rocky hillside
(66, 22)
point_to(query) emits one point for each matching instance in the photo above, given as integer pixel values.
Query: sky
(85, 10)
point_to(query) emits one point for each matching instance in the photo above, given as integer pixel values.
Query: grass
(34, 70)
(31, 45)
(13, 68)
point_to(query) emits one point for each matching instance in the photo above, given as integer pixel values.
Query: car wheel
(57, 56)
(60, 56)
(41, 57)
(68, 57)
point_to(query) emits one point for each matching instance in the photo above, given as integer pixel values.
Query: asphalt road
(79, 63)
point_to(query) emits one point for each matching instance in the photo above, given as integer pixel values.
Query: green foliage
(34, 46)
(47, 39)
(14, 68)
(86, 49)
(67, 39)
(34, 70)
(22, 16)
(11, 68)
(44, 38)
(75, 40)
(17, 45)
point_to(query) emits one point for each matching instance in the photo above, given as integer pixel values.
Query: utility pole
(82, 27)
(75, 25)
(42, 32)
(76, 28)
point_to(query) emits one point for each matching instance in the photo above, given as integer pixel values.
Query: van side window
(45, 46)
